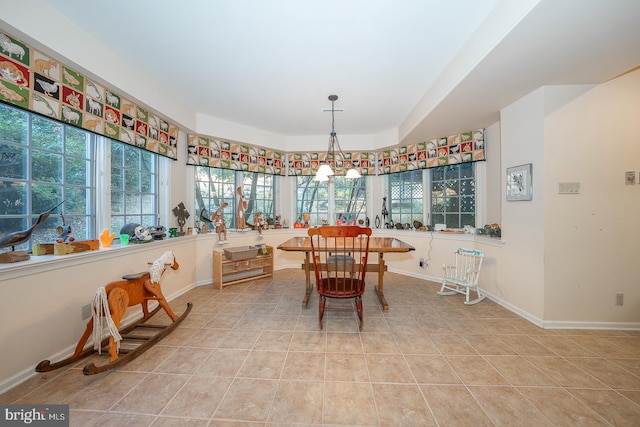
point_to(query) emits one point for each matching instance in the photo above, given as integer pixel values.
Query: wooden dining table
(381, 245)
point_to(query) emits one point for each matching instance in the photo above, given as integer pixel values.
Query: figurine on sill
(259, 223)
(221, 226)
(242, 206)
(64, 232)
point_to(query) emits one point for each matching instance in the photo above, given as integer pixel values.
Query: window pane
(46, 166)
(46, 134)
(13, 161)
(453, 194)
(76, 171)
(14, 125)
(259, 191)
(134, 186)
(406, 193)
(312, 200)
(13, 198)
(45, 196)
(213, 188)
(76, 142)
(350, 198)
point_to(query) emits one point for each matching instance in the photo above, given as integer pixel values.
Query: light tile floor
(250, 355)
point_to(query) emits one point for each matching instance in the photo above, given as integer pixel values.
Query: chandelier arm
(331, 150)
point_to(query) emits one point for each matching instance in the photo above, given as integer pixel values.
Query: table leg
(307, 273)
(380, 287)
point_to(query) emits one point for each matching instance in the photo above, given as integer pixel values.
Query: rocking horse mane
(159, 265)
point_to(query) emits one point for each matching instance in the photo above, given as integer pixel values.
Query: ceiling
(272, 64)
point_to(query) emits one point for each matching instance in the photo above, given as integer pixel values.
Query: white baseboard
(565, 324)
(26, 374)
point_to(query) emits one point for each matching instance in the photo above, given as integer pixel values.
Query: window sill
(43, 263)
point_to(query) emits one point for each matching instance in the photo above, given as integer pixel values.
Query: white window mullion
(103, 183)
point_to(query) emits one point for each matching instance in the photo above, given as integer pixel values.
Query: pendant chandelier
(325, 170)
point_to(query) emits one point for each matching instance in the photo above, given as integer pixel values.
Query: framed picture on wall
(519, 183)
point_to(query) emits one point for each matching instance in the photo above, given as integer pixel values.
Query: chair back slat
(468, 264)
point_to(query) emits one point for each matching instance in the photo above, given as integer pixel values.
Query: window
(312, 198)
(453, 195)
(134, 186)
(214, 187)
(43, 163)
(259, 190)
(329, 201)
(350, 198)
(406, 202)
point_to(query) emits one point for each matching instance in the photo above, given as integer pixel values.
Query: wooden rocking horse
(110, 304)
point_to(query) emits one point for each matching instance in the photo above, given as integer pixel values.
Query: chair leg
(448, 291)
(359, 308)
(322, 300)
(480, 297)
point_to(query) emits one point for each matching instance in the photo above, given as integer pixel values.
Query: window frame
(427, 183)
(230, 196)
(97, 186)
(456, 199)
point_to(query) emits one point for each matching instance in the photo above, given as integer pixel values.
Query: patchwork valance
(448, 150)
(307, 163)
(33, 81)
(217, 153)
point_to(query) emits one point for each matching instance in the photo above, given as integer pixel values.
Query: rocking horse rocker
(109, 306)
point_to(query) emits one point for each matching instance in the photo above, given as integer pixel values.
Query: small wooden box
(65, 248)
(239, 253)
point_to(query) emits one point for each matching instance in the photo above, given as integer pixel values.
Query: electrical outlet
(423, 263)
(85, 312)
(619, 298)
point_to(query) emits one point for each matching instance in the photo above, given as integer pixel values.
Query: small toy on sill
(106, 238)
(137, 233)
(64, 232)
(158, 232)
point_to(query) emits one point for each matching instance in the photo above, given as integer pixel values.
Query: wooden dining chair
(340, 256)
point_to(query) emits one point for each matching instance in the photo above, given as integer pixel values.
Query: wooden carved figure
(241, 221)
(259, 223)
(221, 226)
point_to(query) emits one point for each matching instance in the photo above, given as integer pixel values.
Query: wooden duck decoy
(19, 237)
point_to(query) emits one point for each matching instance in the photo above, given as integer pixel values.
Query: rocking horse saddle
(136, 276)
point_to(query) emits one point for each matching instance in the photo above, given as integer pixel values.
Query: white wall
(566, 256)
(520, 278)
(41, 299)
(591, 252)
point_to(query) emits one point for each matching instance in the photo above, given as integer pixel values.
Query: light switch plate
(568, 188)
